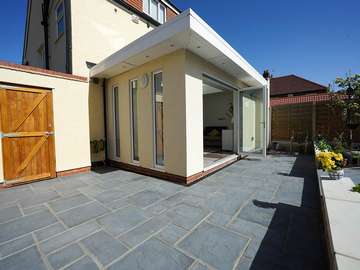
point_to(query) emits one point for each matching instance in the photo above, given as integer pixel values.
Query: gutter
(28, 7)
(45, 23)
(68, 41)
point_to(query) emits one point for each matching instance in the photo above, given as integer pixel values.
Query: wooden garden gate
(27, 133)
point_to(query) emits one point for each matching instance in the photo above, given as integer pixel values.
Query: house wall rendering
(100, 28)
(93, 30)
(172, 67)
(71, 114)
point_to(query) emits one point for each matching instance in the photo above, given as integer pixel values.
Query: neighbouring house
(155, 92)
(300, 111)
(292, 85)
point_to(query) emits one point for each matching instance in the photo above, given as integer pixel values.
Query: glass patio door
(251, 121)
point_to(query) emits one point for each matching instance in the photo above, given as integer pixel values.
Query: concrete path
(254, 214)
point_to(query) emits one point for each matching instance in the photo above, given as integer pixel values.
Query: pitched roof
(292, 84)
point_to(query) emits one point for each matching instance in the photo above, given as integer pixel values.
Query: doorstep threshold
(221, 161)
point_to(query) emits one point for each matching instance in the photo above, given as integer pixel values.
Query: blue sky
(316, 39)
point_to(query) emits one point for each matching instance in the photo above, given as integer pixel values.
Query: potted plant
(333, 163)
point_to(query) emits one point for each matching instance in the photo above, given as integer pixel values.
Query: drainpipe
(45, 23)
(105, 118)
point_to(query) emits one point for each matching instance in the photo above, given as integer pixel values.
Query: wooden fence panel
(297, 120)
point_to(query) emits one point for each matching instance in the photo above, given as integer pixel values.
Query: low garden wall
(341, 215)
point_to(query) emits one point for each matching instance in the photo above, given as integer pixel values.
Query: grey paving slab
(69, 236)
(86, 263)
(145, 198)
(68, 202)
(347, 263)
(122, 220)
(156, 209)
(144, 231)
(65, 256)
(248, 228)
(28, 259)
(271, 203)
(34, 209)
(24, 225)
(38, 198)
(153, 255)
(117, 204)
(244, 264)
(257, 213)
(220, 219)
(9, 213)
(171, 234)
(16, 245)
(104, 247)
(217, 247)
(49, 231)
(91, 190)
(226, 204)
(186, 216)
(199, 266)
(81, 214)
(110, 195)
(202, 190)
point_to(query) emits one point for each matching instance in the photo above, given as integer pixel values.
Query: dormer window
(60, 20)
(155, 9)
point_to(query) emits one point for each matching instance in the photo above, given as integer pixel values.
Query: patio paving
(255, 214)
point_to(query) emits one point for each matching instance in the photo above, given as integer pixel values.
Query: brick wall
(170, 14)
(138, 4)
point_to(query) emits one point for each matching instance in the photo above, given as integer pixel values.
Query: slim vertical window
(158, 118)
(161, 17)
(134, 120)
(60, 20)
(116, 120)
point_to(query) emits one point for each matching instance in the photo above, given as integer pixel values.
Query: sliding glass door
(158, 104)
(134, 120)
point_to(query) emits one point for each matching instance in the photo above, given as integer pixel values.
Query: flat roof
(186, 31)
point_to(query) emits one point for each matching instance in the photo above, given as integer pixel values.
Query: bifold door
(27, 134)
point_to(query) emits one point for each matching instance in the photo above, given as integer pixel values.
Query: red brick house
(298, 110)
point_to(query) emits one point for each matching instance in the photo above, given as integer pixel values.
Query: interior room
(218, 121)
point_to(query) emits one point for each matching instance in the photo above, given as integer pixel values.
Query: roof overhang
(186, 31)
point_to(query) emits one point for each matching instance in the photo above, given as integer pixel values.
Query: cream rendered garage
(155, 97)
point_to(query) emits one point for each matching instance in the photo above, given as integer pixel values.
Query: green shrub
(356, 188)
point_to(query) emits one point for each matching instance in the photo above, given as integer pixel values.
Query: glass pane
(159, 110)
(162, 14)
(154, 9)
(159, 134)
(61, 26)
(60, 10)
(252, 121)
(134, 107)
(158, 84)
(116, 121)
(146, 6)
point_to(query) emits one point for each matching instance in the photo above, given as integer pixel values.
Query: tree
(347, 101)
